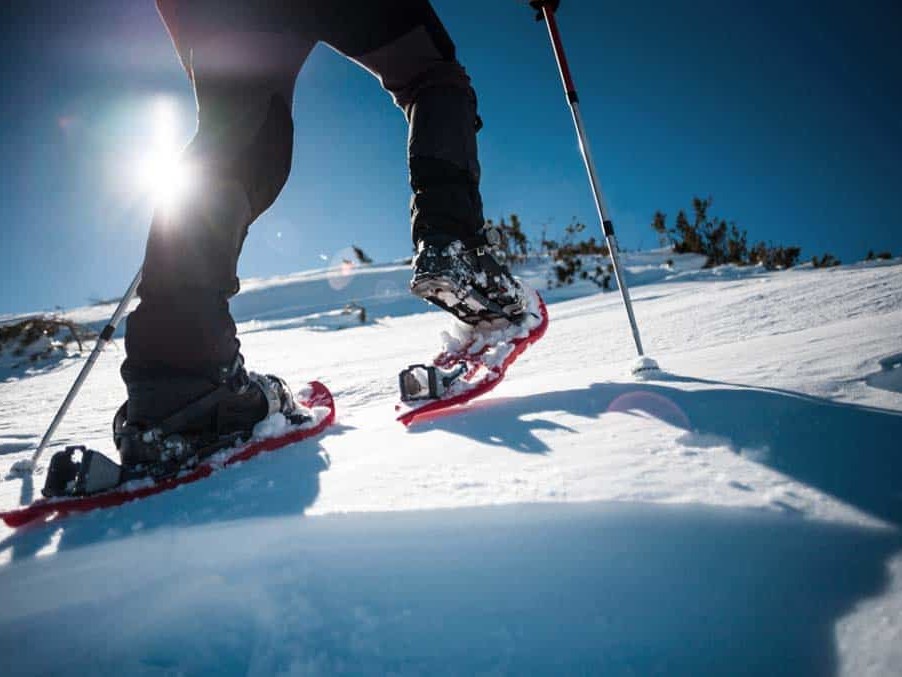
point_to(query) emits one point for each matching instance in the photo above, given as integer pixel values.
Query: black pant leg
(405, 45)
(238, 160)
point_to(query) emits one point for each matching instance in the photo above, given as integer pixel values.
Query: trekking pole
(28, 465)
(546, 9)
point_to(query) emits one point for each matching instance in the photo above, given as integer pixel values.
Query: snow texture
(736, 512)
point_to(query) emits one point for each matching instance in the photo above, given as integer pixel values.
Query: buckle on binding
(427, 382)
(87, 473)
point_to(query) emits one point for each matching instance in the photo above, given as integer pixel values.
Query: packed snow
(735, 512)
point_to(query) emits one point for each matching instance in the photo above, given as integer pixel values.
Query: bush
(659, 225)
(719, 240)
(36, 338)
(825, 261)
(570, 257)
(514, 245)
(882, 256)
(772, 257)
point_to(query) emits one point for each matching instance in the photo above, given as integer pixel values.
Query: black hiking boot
(172, 423)
(465, 278)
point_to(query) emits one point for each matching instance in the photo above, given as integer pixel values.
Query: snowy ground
(737, 515)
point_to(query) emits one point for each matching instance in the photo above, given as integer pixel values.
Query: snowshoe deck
(471, 364)
(270, 434)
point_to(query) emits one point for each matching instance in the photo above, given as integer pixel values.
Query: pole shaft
(607, 226)
(558, 47)
(102, 340)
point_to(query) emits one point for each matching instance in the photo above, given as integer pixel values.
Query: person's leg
(181, 337)
(405, 45)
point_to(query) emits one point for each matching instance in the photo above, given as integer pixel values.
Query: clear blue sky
(786, 113)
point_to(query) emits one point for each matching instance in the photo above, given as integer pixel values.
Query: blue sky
(786, 113)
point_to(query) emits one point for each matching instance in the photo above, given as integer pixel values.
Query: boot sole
(472, 309)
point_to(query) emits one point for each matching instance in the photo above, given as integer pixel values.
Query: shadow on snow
(224, 577)
(283, 482)
(850, 452)
(594, 588)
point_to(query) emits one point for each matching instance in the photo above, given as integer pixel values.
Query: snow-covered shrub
(577, 259)
(35, 339)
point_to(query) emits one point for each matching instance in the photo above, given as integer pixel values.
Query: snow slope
(739, 514)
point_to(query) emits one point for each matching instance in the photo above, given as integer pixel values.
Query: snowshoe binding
(466, 278)
(219, 419)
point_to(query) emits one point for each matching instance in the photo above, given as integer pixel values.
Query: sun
(161, 173)
(164, 177)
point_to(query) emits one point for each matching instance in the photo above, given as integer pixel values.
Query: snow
(736, 512)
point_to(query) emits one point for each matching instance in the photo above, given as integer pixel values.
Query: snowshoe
(81, 479)
(465, 278)
(220, 419)
(473, 360)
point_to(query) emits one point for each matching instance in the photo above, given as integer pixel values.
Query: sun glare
(164, 177)
(160, 173)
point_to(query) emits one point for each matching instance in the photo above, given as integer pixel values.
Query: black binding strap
(233, 378)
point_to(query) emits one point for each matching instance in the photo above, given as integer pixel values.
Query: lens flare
(653, 404)
(343, 268)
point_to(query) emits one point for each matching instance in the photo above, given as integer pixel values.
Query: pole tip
(24, 466)
(644, 367)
